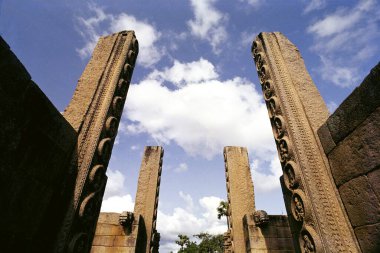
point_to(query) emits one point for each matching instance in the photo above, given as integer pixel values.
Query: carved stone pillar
(296, 111)
(94, 112)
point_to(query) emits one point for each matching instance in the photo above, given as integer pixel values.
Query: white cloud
(263, 180)
(208, 23)
(181, 168)
(201, 117)
(314, 5)
(147, 34)
(118, 204)
(182, 73)
(344, 40)
(182, 221)
(115, 183)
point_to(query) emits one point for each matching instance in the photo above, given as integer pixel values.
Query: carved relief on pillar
(284, 146)
(98, 133)
(316, 210)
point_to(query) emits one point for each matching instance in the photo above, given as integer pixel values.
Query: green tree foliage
(208, 244)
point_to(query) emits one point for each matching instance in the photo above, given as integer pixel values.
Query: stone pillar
(296, 111)
(94, 112)
(241, 198)
(146, 203)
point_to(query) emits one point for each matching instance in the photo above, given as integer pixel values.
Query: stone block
(369, 238)
(258, 242)
(327, 142)
(280, 244)
(360, 201)
(359, 152)
(103, 240)
(109, 229)
(356, 107)
(374, 180)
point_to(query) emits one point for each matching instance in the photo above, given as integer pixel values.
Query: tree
(223, 211)
(208, 244)
(183, 240)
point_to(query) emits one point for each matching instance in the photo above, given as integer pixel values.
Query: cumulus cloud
(201, 116)
(102, 23)
(182, 73)
(208, 23)
(263, 179)
(115, 183)
(344, 39)
(115, 199)
(118, 204)
(190, 222)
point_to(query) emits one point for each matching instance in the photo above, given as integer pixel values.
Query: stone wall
(111, 236)
(274, 236)
(351, 140)
(36, 147)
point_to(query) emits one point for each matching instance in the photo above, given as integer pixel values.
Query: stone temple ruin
(53, 171)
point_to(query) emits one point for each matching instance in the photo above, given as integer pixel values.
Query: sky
(194, 89)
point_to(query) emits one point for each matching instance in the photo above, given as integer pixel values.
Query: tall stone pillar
(94, 112)
(146, 203)
(134, 232)
(241, 198)
(296, 111)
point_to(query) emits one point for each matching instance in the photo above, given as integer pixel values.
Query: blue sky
(195, 88)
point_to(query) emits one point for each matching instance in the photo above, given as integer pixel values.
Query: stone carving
(94, 112)
(261, 218)
(290, 175)
(240, 199)
(296, 111)
(126, 219)
(146, 204)
(308, 245)
(298, 208)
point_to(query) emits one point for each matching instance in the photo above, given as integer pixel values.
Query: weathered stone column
(94, 112)
(241, 198)
(296, 111)
(146, 203)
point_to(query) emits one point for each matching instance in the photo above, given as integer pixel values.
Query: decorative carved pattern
(79, 243)
(330, 217)
(261, 218)
(96, 136)
(126, 220)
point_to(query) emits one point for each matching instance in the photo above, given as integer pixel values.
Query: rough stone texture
(36, 147)
(361, 202)
(294, 226)
(240, 193)
(369, 238)
(355, 160)
(94, 112)
(146, 203)
(355, 109)
(274, 236)
(358, 153)
(297, 111)
(111, 237)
